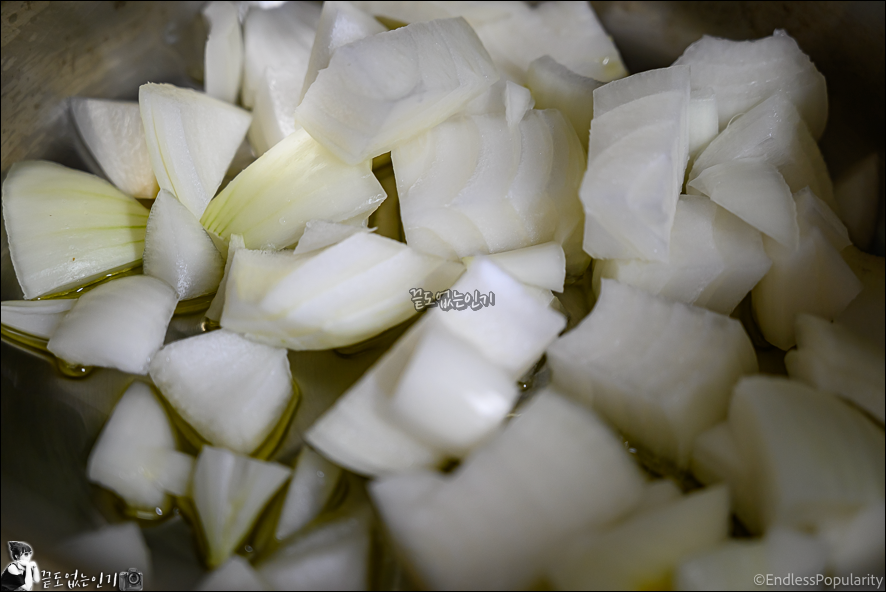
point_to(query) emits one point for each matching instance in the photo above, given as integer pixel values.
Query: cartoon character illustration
(22, 573)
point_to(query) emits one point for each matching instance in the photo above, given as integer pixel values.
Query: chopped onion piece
(133, 451)
(235, 243)
(67, 228)
(298, 180)
(739, 565)
(229, 493)
(36, 317)
(109, 549)
(329, 298)
(541, 265)
(313, 483)
(116, 139)
(192, 138)
(382, 90)
(178, 250)
(809, 456)
(320, 234)
(755, 191)
(637, 153)
(554, 86)
(772, 131)
(812, 278)
(473, 186)
(234, 574)
(703, 126)
(451, 412)
(643, 551)
(231, 390)
(340, 23)
(691, 359)
(277, 39)
(223, 60)
(360, 433)
(744, 73)
(554, 470)
(332, 556)
(857, 542)
(715, 259)
(831, 358)
(273, 116)
(120, 324)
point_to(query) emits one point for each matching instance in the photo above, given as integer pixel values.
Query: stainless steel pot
(55, 50)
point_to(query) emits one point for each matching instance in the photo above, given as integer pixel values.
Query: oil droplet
(159, 511)
(73, 370)
(248, 549)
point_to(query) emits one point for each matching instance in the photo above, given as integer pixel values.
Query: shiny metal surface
(55, 50)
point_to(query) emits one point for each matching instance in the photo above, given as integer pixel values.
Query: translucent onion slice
(279, 39)
(67, 228)
(313, 483)
(340, 23)
(637, 152)
(223, 57)
(744, 73)
(774, 132)
(298, 180)
(831, 358)
(382, 90)
(120, 324)
(554, 470)
(643, 551)
(132, 451)
(234, 574)
(229, 493)
(178, 250)
(329, 298)
(231, 390)
(755, 191)
(114, 134)
(192, 138)
(692, 358)
(554, 86)
(38, 317)
(809, 455)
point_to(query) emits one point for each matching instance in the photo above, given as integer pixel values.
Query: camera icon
(130, 580)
